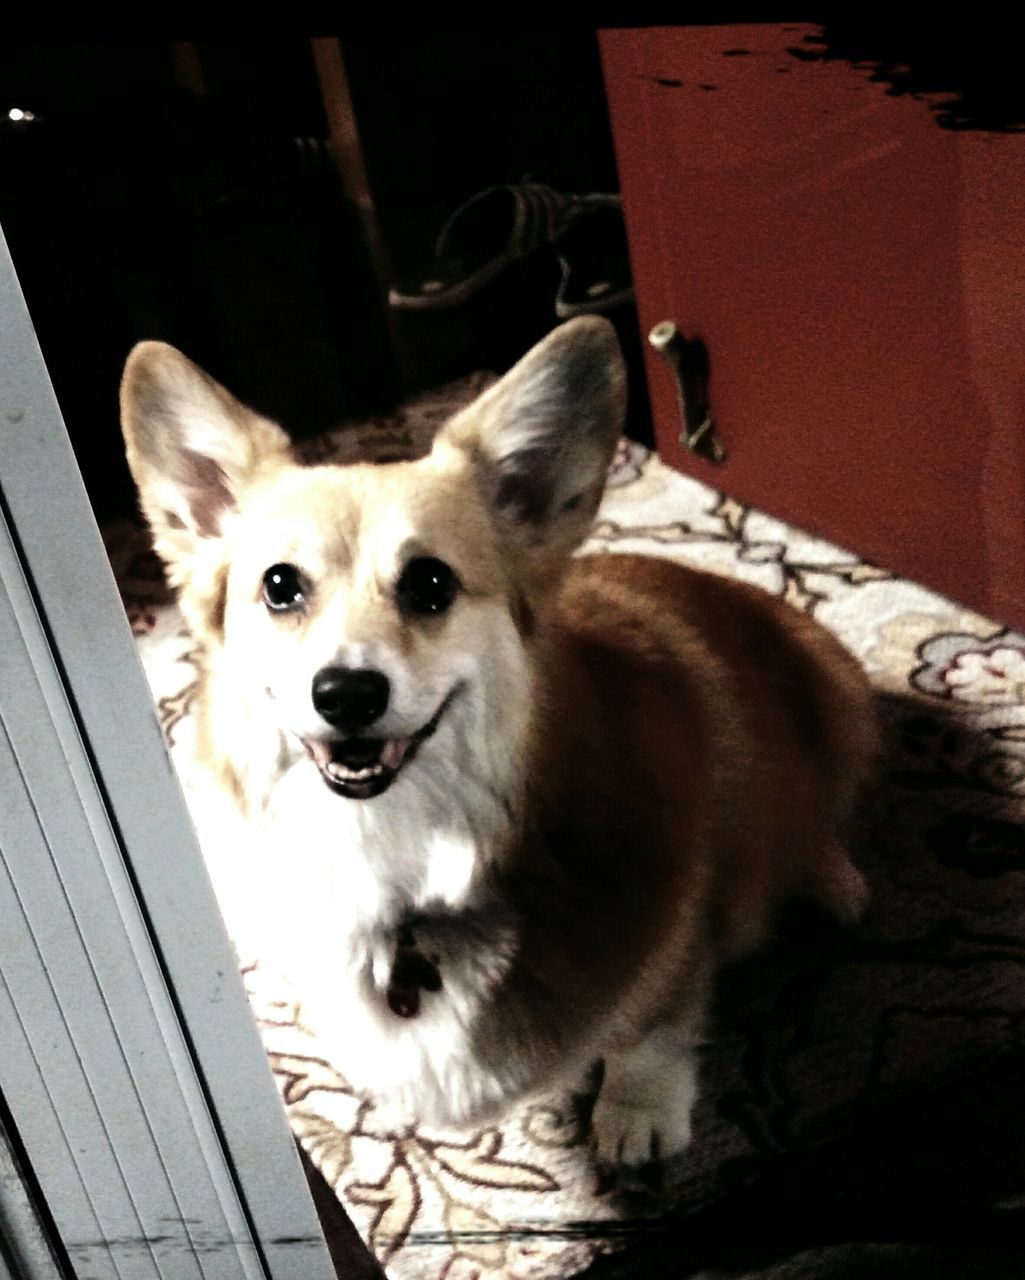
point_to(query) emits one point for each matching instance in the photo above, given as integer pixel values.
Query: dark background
(187, 192)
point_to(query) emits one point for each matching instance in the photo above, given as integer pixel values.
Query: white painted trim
(131, 1067)
(25, 1245)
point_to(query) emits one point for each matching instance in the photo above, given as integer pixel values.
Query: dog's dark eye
(283, 588)
(427, 586)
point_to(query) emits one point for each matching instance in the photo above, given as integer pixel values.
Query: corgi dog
(508, 808)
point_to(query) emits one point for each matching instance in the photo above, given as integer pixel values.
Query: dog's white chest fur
(319, 890)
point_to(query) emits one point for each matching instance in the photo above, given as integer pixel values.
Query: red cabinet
(856, 270)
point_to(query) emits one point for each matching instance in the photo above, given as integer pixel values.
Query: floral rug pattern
(811, 1035)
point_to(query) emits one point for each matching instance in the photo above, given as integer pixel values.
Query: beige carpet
(812, 1036)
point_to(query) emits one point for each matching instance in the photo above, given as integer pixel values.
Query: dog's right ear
(192, 448)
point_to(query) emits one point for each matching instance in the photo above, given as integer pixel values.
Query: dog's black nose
(350, 698)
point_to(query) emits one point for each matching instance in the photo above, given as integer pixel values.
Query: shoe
(595, 260)
(484, 236)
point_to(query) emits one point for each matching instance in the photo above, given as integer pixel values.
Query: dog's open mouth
(360, 768)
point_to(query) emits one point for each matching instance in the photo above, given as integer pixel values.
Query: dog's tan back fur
(697, 750)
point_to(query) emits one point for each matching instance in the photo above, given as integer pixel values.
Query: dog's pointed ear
(541, 439)
(192, 448)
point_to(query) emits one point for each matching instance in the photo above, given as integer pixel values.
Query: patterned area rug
(811, 1037)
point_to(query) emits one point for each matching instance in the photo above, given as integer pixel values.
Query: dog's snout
(350, 698)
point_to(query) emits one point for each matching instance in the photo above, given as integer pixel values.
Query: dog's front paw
(644, 1107)
(628, 1133)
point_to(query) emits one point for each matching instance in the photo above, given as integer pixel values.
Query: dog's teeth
(345, 774)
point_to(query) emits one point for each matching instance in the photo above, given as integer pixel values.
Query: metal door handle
(688, 359)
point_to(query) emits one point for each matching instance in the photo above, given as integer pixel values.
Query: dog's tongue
(357, 753)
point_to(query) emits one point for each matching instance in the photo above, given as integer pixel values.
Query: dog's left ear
(541, 439)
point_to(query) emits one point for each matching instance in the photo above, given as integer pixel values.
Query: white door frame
(130, 1066)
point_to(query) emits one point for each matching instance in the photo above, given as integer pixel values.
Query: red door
(856, 270)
